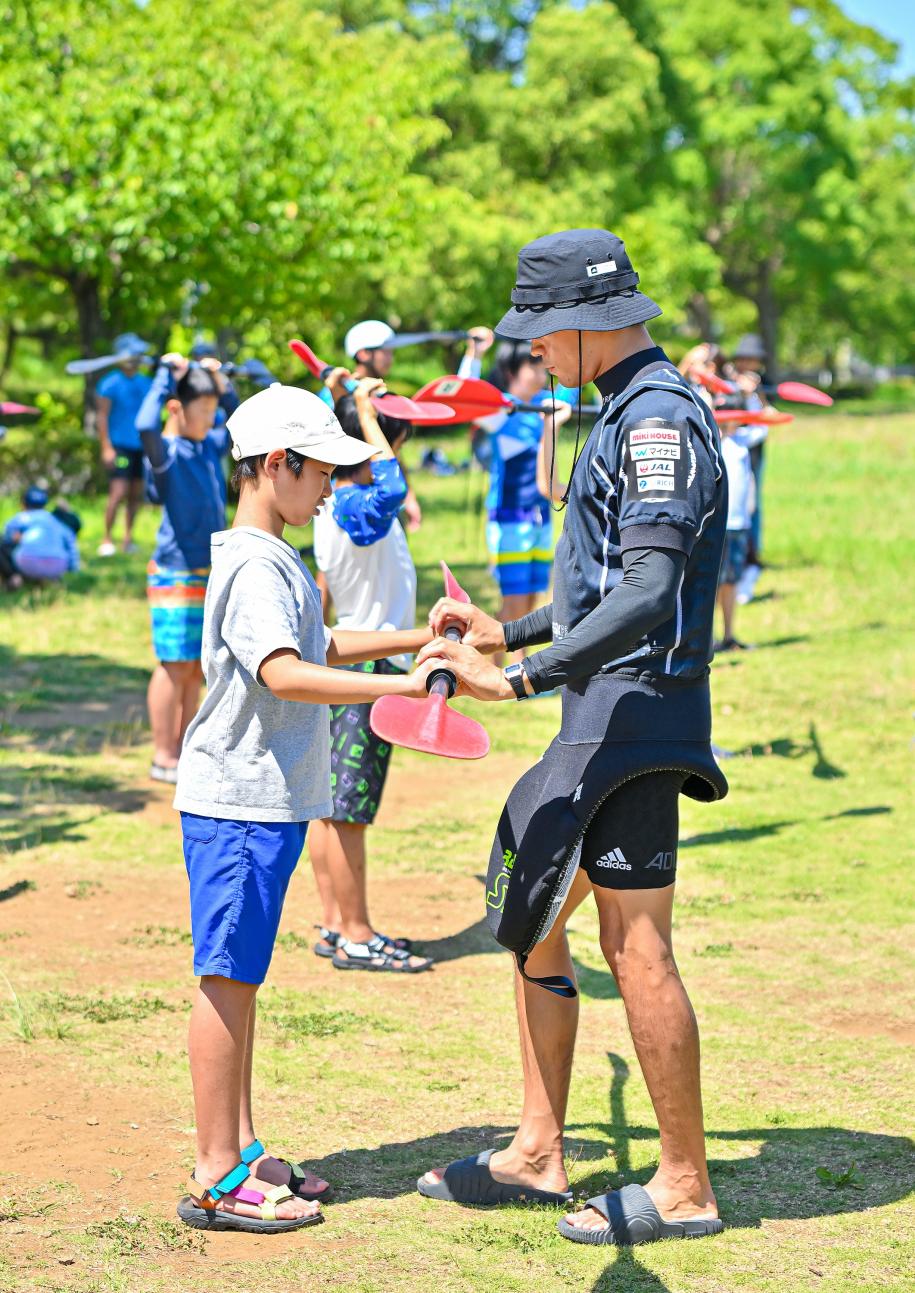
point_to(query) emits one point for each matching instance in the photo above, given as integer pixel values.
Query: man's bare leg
(635, 934)
(547, 1025)
(117, 493)
(318, 845)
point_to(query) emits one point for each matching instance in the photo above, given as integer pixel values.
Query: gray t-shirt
(248, 755)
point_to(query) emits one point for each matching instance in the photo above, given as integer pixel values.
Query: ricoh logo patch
(614, 861)
(656, 482)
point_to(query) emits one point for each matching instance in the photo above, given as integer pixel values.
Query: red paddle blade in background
(12, 414)
(711, 382)
(452, 588)
(469, 397)
(395, 406)
(428, 726)
(752, 417)
(801, 393)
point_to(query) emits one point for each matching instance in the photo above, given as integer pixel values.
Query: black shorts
(358, 758)
(128, 465)
(631, 842)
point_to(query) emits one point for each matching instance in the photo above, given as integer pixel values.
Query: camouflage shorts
(358, 758)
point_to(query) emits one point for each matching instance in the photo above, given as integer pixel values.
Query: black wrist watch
(515, 673)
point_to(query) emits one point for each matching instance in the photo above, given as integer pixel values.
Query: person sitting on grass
(367, 572)
(187, 478)
(741, 488)
(118, 397)
(37, 545)
(254, 771)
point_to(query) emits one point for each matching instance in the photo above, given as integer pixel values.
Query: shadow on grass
(785, 747)
(475, 940)
(14, 890)
(23, 790)
(796, 1175)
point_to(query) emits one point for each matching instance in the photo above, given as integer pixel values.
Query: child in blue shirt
(186, 476)
(36, 544)
(118, 397)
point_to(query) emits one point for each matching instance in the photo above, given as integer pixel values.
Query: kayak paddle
(395, 406)
(429, 725)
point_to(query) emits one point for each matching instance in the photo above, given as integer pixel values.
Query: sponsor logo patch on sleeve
(656, 461)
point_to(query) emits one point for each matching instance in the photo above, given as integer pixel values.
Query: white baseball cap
(370, 334)
(286, 417)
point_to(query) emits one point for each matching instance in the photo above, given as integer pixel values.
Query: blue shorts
(239, 873)
(521, 555)
(734, 558)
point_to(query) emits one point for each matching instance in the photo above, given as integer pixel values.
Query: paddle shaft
(442, 682)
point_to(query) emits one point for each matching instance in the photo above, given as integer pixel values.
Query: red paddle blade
(308, 357)
(752, 417)
(423, 413)
(801, 393)
(428, 726)
(469, 397)
(452, 588)
(717, 384)
(9, 409)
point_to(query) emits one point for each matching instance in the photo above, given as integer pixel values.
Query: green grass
(793, 931)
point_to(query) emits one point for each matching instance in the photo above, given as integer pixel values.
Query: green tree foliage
(312, 161)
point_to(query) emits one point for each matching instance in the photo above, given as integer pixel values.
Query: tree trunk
(767, 312)
(700, 316)
(85, 291)
(8, 348)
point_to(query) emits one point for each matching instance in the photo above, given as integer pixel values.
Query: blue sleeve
(228, 400)
(367, 512)
(107, 386)
(666, 473)
(149, 418)
(71, 545)
(325, 395)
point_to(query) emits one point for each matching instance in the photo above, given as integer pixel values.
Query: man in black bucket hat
(630, 631)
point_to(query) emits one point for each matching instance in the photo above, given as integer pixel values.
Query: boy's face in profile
(299, 497)
(194, 421)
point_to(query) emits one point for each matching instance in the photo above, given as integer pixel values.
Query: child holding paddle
(367, 572)
(255, 770)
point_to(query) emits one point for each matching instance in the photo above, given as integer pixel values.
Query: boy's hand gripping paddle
(395, 406)
(429, 725)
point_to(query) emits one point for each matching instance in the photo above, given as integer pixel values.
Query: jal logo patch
(654, 435)
(655, 468)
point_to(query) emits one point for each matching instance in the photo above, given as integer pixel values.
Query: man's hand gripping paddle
(429, 725)
(395, 406)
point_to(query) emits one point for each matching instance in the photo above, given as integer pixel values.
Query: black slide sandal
(469, 1181)
(632, 1218)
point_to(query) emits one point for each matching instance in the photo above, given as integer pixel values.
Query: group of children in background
(743, 449)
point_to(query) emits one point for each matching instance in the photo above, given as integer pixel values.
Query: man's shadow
(799, 1173)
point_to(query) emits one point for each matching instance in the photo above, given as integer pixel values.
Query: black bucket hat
(579, 278)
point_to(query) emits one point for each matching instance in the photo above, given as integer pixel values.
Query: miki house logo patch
(654, 435)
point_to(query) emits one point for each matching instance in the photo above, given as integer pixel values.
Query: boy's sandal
(400, 944)
(373, 957)
(198, 1207)
(296, 1181)
(327, 943)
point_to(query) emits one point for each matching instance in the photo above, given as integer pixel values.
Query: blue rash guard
(126, 394)
(187, 477)
(513, 493)
(367, 512)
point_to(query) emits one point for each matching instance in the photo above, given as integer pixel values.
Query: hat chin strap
(564, 501)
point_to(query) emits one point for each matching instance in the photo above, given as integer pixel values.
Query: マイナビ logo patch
(655, 451)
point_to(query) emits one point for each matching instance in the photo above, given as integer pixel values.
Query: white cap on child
(286, 417)
(370, 334)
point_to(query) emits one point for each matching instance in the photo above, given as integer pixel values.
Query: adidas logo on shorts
(614, 860)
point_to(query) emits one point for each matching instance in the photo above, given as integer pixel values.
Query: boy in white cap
(254, 771)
